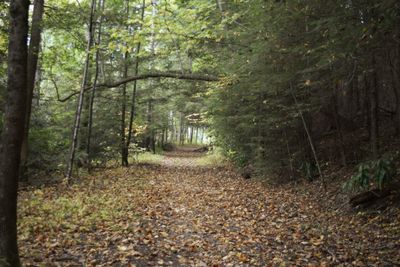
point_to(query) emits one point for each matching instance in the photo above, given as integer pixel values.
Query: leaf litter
(180, 214)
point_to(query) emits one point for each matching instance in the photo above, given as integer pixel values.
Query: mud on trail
(179, 214)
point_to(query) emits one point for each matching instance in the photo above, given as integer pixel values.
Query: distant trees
(296, 85)
(127, 42)
(340, 57)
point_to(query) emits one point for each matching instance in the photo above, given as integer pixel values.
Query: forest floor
(178, 213)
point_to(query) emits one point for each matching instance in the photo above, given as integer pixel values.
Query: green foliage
(377, 173)
(4, 263)
(214, 157)
(169, 147)
(285, 50)
(309, 170)
(148, 157)
(267, 52)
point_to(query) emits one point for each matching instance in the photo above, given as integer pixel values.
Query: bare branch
(180, 76)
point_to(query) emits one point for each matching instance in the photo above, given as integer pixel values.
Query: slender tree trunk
(396, 90)
(162, 137)
(367, 106)
(13, 131)
(82, 145)
(174, 132)
(397, 72)
(153, 141)
(201, 135)
(191, 135)
(93, 93)
(374, 103)
(81, 95)
(289, 155)
(310, 140)
(124, 150)
(33, 55)
(133, 104)
(38, 81)
(220, 4)
(356, 93)
(181, 131)
(339, 132)
(149, 125)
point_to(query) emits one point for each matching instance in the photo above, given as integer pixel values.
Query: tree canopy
(285, 89)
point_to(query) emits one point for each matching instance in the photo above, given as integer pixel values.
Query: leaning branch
(180, 76)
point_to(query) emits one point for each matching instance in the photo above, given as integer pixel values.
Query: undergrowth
(212, 158)
(82, 207)
(148, 157)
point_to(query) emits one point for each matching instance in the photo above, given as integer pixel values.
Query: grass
(148, 157)
(212, 158)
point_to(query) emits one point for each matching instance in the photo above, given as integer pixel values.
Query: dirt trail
(182, 157)
(192, 216)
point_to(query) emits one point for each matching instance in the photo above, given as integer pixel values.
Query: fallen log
(247, 172)
(201, 149)
(369, 197)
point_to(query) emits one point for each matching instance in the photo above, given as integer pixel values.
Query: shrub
(168, 147)
(377, 173)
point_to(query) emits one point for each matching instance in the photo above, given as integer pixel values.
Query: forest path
(180, 214)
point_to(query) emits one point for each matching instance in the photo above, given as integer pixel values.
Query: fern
(378, 173)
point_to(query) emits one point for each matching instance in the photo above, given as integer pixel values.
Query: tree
(133, 100)
(101, 4)
(33, 55)
(81, 93)
(13, 131)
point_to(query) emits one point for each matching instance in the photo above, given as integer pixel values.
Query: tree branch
(180, 76)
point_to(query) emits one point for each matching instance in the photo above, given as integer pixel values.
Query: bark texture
(13, 131)
(33, 55)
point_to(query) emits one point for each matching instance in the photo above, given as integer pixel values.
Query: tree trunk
(290, 158)
(163, 137)
(93, 94)
(38, 81)
(33, 55)
(153, 141)
(191, 135)
(166, 135)
(220, 4)
(367, 104)
(374, 112)
(339, 133)
(81, 95)
(13, 131)
(396, 90)
(132, 113)
(124, 151)
(181, 131)
(149, 135)
(356, 93)
(397, 72)
(310, 140)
